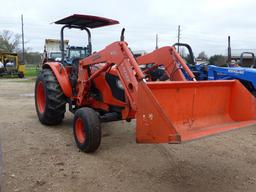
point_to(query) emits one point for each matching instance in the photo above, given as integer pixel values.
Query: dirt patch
(40, 158)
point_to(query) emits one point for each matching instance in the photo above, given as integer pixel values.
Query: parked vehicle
(10, 65)
(109, 85)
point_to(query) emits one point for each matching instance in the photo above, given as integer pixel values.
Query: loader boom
(129, 72)
(171, 60)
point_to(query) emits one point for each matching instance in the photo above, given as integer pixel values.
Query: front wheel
(87, 129)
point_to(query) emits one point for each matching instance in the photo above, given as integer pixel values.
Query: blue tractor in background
(200, 70)
(246, 75)
(204, 71)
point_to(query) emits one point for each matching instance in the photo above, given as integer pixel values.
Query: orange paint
(181, 111)
(62, 75)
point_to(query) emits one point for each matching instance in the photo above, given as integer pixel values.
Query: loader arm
(116, 54)
(171, 60)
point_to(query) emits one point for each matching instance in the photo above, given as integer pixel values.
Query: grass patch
(31, 71)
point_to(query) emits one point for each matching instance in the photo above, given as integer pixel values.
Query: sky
(205, 24)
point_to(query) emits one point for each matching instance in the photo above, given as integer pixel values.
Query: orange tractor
(112, 84)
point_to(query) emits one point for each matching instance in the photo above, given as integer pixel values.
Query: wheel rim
(40, 97)
(79, 128)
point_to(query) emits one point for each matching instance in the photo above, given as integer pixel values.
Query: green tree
(218, 60)
(9, 41)
(202, 56)
(33, 58)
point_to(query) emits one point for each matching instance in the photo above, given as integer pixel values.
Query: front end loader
(111, 85)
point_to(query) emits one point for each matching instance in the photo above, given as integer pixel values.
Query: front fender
(62, 77)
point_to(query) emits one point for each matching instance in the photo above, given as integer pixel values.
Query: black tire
(90, 127)
(55, 100)
(21, 75)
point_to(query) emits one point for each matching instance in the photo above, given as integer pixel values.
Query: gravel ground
(40, 158)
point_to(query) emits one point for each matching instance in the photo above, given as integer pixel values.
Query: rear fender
(62, 77)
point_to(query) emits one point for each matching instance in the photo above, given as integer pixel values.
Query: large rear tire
(50, 100)
(87, 129)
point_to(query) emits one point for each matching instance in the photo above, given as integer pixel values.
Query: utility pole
(156, 41)
(229, 50)
(22, 37)
(178, 38)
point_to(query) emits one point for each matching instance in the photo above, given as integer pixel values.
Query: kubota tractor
(111, 85)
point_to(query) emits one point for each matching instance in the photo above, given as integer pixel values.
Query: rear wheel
(50, 101)
(87, 129)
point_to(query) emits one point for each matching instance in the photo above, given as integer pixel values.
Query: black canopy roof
(88, 21)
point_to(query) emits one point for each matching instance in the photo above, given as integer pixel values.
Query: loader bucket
(172, 112)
